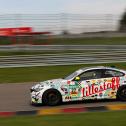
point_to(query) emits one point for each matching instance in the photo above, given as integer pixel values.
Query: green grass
(26, 53)
(91, 41)
(68, 41)
(34, 74)
(42, 52)
(113, 118)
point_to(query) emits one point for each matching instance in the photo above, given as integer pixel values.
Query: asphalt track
(16, 97)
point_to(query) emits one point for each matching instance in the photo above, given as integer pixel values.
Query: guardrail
(63, 59)
(61, 47)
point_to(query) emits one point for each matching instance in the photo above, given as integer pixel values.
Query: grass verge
(24, 52)
(76, 41)
(90, 41)
(34, 74)
(112, 118)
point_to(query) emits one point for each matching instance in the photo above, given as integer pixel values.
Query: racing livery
(87, 83)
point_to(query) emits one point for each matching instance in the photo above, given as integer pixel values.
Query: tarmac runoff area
(16, 97)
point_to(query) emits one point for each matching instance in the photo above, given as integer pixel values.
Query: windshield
(74, 74)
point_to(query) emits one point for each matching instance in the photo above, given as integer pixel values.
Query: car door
(87, 87)
(112, 81)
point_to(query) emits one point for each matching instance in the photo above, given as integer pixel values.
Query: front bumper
(36, 97)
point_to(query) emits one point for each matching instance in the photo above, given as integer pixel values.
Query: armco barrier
(62, 59)
(68, 110)
(61, 47)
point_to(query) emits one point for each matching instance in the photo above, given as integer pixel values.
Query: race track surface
(16, 97)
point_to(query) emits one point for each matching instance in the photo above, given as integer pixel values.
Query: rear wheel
(52, 97)
(121, 93)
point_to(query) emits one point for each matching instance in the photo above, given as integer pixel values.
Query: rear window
(112, 73)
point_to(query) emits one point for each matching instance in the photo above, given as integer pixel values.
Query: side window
(91, 74)
(112, 73)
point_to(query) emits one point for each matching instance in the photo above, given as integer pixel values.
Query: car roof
(100, 67)
(93, 67)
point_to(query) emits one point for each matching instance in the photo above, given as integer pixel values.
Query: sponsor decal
(95, 89)
(74, 92)
(64, 89)
(112, 93)
(68, 97)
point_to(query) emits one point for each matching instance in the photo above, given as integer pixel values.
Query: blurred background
(63, 22)
(67, 32)
(46, 39)
(63, 25)
(42, 22)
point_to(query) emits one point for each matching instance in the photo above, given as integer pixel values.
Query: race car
(97, 82)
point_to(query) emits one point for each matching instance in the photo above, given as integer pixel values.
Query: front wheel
(121, 93)
(52, 97)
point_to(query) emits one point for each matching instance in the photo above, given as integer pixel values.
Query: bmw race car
(87, 83)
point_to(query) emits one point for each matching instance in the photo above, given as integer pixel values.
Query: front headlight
(38, 89)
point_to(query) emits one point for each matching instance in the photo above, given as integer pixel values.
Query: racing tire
(52, 97)
(121, 93)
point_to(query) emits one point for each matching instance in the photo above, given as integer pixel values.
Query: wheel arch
(120, 88)
(52, 89)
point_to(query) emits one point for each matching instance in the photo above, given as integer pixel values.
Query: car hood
(52, 83)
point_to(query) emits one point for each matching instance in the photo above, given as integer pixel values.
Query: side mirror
(77, 78)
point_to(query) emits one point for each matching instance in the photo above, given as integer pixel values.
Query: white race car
(87, 83)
